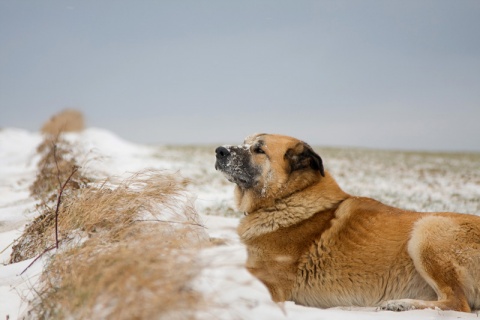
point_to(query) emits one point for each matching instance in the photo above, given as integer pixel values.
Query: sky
(397, 74)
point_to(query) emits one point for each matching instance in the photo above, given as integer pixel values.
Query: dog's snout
(222, 152)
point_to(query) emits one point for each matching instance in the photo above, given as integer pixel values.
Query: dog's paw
(397, 305)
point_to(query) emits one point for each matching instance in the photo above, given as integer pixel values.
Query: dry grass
(142, 277)
(127, 248)
(68, 120)
(103, 208)
(131, 266)
(55, 166)
(57, 157)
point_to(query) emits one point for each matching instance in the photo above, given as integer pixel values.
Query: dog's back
(374, 252)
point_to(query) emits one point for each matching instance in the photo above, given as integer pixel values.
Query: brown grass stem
(60, 190)
(169, 221)
(38, 257)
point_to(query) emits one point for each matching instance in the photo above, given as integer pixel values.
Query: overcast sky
(381, 74)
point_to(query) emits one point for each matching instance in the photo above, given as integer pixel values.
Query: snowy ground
(418, 181)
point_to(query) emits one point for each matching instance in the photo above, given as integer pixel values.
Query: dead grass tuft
(68, 120)
(132, 265)
(55, 166)
(127, 248)
(108, 208)
(144, 275)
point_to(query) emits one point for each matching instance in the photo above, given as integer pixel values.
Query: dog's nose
(222, 152)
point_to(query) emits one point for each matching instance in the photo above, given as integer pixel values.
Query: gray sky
(383, 74)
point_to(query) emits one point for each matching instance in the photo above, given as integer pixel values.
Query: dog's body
(310, 242)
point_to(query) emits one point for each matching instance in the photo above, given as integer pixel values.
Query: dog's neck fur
(292, 209)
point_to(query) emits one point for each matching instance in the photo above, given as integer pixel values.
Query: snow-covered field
(418, 181)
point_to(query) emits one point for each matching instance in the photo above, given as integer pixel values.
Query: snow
(224, 280)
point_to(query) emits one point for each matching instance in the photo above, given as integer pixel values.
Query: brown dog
(310, 242)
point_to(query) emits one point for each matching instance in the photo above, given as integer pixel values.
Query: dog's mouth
(241, 181)
(234, 163)
(235, 174)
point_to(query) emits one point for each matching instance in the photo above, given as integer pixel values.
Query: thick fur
(310, 242)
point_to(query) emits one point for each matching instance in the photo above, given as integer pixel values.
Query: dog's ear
(302, 156)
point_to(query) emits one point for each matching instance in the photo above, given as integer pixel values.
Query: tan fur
(310, 242)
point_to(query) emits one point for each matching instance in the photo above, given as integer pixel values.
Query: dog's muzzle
(234, 163)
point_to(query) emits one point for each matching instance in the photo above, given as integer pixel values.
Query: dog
(312, 243)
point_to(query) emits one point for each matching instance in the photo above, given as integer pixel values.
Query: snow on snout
(235, 161)
(236, 165)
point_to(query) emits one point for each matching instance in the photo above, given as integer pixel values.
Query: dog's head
(270, 166)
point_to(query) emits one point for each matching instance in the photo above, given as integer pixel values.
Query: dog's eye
(257, 149)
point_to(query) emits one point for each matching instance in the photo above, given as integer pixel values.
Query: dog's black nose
(222, 152)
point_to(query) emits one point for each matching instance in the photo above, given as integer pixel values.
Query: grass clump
(128, 251)
(132, 264)
(142, 277)
(68, 120)
(56, 165)
(125, 249)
